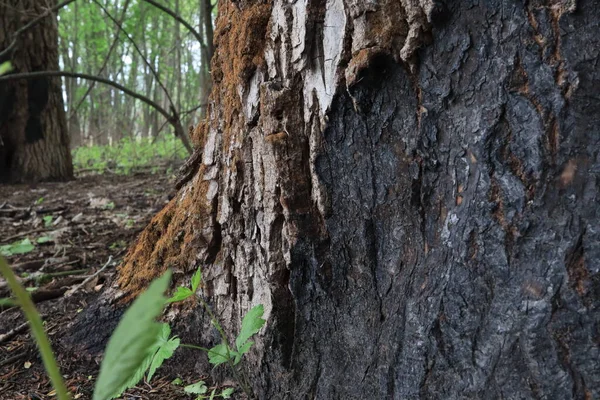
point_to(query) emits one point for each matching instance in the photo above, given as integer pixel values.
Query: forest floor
(56, 236)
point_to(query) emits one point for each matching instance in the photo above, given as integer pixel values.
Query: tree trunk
(411, 190)
(34, 143)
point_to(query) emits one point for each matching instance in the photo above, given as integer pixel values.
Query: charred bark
(34, 143)
(409, 187)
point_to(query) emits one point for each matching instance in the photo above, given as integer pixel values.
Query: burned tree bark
(34, 143)
(411, 190)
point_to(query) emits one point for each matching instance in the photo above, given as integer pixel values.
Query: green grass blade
(37, 329)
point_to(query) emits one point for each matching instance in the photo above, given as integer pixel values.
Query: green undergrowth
(140, 343)
(130, 155)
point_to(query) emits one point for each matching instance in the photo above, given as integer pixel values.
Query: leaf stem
(243, 383)
(193, 346)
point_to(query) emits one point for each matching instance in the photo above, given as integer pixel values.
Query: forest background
(139, 46)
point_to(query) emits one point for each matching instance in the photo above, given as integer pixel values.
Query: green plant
(47, 220)
(200, 389)
(39, 201)
(5, 68)
(223, 352)
(117, 245)
(19, 247)
(128, 154)
(37, 329)
(43, 239)
(132, 342)
(140, 344)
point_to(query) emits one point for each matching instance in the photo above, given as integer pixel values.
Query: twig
(141, 54)
(14, 332)
(18, 235)
(42, 276)
(89, 278)
(14, 358)
(181, 20)
(104, 64)
(191, 110)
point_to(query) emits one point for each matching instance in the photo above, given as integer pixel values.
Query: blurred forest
(141, 47)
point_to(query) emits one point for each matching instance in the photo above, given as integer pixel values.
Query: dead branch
(89, 278)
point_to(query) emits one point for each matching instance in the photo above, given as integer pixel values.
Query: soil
(78, 228)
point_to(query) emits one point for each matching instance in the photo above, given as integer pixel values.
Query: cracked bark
(34, 143)
(410, 188)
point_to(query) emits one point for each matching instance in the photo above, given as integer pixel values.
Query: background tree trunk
(411, 190)
(34, 143)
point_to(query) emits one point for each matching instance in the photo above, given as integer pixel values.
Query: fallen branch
(43, 276)
(21, 234)
(14, 358)
(71, 292)
(13, 332)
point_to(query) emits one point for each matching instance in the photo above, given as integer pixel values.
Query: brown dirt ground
(93, 218)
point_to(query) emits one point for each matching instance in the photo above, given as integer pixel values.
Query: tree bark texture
(34, 142)
(409, 187)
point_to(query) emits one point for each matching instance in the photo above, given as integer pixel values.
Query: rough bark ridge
(34, 142)
(409, 187)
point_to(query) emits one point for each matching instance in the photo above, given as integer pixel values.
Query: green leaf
(138, 375)
(7, 302)
(226, 393)
(43, 239)
(196, 388)
(47, 220)
(251, 324)
(241, 351)
(182, 293)
(218, 354)
(5, 250)
(5, 68)
(177, 382)
(132, 341)
(196, 279)
(165, 350)
(22, 247)
(212, 394)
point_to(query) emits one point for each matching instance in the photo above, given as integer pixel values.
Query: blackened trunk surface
(34, 143)
(411, 190)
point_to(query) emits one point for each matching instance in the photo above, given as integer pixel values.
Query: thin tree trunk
(206, 54)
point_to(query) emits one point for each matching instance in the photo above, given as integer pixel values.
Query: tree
(34, 143)
(409, 187)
